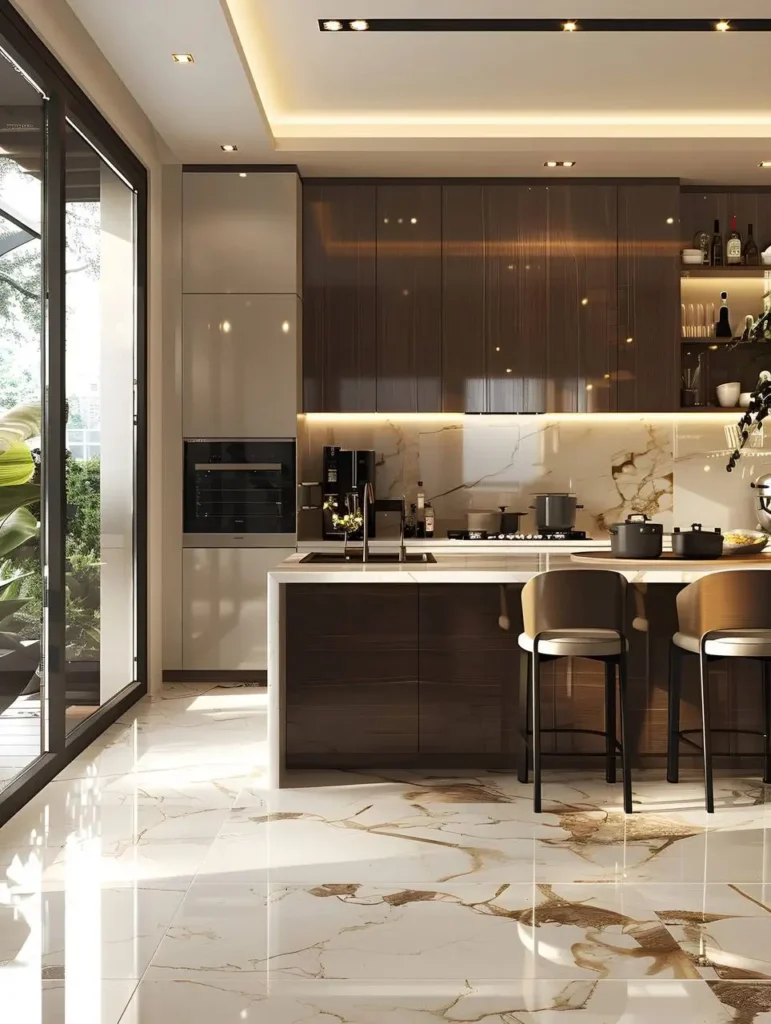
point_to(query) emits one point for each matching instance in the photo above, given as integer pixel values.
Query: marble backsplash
(670, 467)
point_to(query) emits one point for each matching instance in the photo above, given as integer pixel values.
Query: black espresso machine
(345, 472)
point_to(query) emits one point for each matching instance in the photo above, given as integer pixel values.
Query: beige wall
(61, 31)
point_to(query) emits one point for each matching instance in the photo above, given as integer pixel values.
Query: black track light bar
(567, 25)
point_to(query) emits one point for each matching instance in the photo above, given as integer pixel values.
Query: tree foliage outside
(20, 382)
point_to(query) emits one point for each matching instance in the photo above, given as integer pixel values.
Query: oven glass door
(238, 486)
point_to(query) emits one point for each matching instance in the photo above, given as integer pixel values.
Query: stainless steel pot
(763, 504)
(555, 513)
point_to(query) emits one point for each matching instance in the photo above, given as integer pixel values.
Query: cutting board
(668, 560)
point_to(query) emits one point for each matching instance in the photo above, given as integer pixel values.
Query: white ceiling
(687, 105)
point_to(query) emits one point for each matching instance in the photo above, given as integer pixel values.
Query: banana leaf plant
(18, 491)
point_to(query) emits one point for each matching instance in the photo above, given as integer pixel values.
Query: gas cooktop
(571, 535)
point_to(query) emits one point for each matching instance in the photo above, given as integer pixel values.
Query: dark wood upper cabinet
(494, 298)
(516, 298)
(649, 298)
(409, 298)
(339, 298)
(581, 335)
(464, 337)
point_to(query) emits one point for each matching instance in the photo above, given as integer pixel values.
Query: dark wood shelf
(724, 272)
(707, 339)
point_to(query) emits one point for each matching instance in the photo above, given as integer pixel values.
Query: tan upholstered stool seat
(575, 643)
(739, 643)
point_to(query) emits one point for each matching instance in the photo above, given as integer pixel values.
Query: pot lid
(697, 528)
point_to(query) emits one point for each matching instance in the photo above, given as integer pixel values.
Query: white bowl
(692, 257)
(744, 399)
(755, 541)
(728, 394)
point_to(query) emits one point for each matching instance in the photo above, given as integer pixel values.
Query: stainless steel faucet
(368, 498)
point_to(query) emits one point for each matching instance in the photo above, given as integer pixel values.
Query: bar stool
(574, 613)
(722, 615)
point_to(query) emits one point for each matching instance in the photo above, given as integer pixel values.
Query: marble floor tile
(365, 932)
(724, 929)
(70, 933)
(482, 828)
(82, 1001)
(160, 879)
(206, 996)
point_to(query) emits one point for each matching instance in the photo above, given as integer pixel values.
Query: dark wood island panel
(412, 675)
(352, 674)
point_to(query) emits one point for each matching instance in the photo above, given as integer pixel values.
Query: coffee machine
(345, 473)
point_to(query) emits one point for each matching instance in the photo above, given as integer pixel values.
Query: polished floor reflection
(158, 879)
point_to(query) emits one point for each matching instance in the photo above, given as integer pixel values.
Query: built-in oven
(240, 493)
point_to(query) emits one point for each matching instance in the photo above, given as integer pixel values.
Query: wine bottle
(716, 249)
(733, 248)
(429, 519)
(751, 254)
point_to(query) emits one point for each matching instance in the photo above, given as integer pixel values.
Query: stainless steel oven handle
(241, 467)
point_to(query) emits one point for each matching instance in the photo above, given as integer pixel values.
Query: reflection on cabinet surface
(581, 349)
(224, 610)
(239, 365)
(495, 313)
(648, 336)
(409, 298)
(339, 272)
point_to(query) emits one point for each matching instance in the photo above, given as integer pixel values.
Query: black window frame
(66, 100)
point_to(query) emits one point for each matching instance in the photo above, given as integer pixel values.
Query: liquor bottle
(716, 249)
(420, 520)
(733, 248)
(429, 510)
(751, 254)
(410, 526)
(723, 326)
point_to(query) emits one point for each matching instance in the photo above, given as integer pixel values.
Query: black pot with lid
(697, 542)
(637, 537)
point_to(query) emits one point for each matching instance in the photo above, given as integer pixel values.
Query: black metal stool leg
(610, 720)
(524, 715)
(673, 741)
(536, 697)
(626, 748)
(766, 720)
(707, 732)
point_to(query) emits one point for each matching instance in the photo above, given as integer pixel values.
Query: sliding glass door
(72, 319)
(22, 164)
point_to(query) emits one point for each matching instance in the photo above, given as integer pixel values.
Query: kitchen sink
(375, 558)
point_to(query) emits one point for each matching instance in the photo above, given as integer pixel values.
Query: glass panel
(21, 315)
(100, 333)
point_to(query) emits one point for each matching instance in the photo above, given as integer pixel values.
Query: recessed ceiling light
(568, 163)
(333, 26)
(242, 174)
(765, 163)
(569, 26)
(183, 58)
(670, 220)
(723, 26)
(559, 163)
(551, 163)
(229, 148)
(358, 25)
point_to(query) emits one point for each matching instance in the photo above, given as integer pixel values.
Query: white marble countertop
(512, 567)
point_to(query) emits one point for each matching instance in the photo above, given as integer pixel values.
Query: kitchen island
(416, 665)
